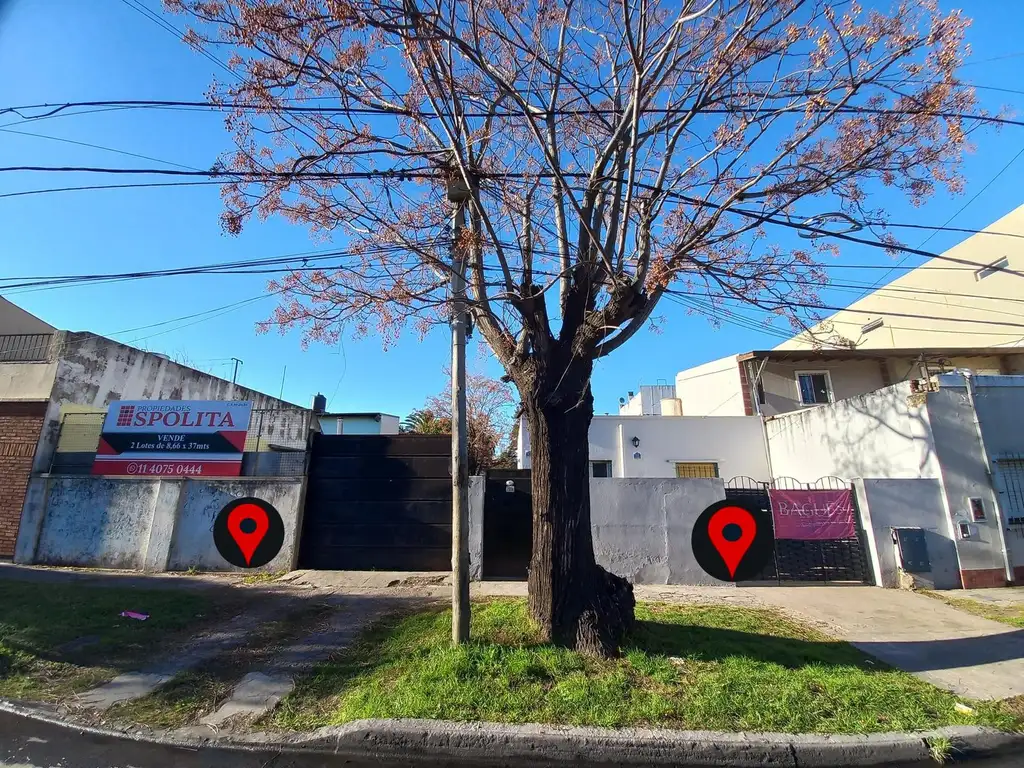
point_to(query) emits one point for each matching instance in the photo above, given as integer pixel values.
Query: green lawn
(1005, 614)
(58, 639)
(698, 667)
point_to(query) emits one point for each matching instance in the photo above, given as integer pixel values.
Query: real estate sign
(173, 438)
(813, 514)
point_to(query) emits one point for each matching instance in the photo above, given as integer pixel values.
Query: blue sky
(68, 50)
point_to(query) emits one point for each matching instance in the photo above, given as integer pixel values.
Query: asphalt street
(35, 744)
(28, 743)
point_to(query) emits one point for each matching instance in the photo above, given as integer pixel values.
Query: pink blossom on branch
(614, 151)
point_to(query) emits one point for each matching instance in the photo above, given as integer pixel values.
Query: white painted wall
(881, 434)
(736, 443)
(711, 389)
(367, 424)
(647, 402)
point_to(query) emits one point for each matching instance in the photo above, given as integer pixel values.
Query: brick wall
(983, 578)
(20, 425)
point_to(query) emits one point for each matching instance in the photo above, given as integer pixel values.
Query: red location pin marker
(732, 552)
(248, 542)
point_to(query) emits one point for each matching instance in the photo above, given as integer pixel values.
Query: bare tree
(615, 151)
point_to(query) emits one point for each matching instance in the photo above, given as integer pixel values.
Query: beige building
(964, 309)
(973, 296)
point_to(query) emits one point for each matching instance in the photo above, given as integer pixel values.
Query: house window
(600, 469)
(977, 510)
(696, 469)
(815, 387)
(991, 269)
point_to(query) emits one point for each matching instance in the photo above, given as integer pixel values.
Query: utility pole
(234, 376)
(458, 195)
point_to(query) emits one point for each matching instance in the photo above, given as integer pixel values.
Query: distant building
(648, 401)
(56, 385)
(359, 424)
(669, 446)
(775, 381)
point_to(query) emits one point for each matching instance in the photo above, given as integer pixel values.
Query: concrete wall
(711, 389)
(26, 381)
(907, 503)
(964, 476)
(143, 524)
(736, 443)
(642, 528)
(948, 294)
(880, 434)
(94, 371)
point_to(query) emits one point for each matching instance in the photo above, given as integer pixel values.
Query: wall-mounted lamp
(636, 442)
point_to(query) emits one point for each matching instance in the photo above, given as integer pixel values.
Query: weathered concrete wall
(97, 522)
(964, 476)
(26, 381)
(94, 371)
(143, 524)
(193, 538)
(907, 503)
(642, 527)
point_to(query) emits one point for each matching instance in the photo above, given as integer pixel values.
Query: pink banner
(813, 514)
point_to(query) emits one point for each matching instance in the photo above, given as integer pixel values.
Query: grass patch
(190, 695)
(1013, 615)
(700, 667)
(262, 577)
(59, 639)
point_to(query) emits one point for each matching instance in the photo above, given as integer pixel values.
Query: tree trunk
(577, 603)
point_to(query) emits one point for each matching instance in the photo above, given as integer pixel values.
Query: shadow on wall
(880, 434)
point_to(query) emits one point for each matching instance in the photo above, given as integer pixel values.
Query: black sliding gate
(378, 502)
(798, 560)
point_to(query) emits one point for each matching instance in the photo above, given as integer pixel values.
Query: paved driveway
(966, 654)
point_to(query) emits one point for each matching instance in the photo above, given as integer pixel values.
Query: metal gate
(508, 524)
(816, 560)
(1009, 476)
(378, 502)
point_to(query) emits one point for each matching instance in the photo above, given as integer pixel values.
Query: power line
(958, 212)
(138, 6)
(533, 112)
(90, 187)
(96, 146)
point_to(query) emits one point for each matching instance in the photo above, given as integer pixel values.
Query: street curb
(496, 744)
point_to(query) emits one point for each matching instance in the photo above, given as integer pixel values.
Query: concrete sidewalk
(962, 653)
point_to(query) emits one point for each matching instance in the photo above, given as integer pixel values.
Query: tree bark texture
(577, 603)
